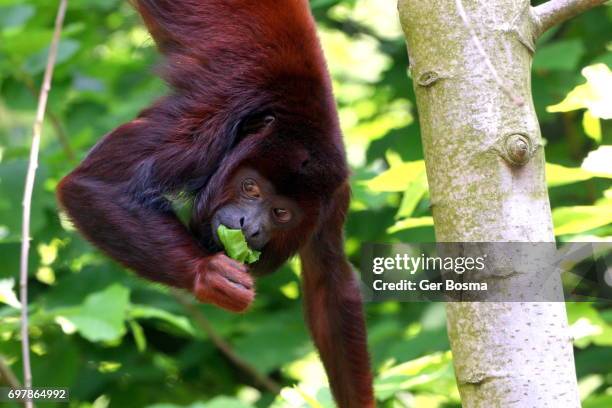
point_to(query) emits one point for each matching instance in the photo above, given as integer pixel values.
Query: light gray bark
(470, 62)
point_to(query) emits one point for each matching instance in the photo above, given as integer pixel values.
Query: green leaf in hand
(236, 246)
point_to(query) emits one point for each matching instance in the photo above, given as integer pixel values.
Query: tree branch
(55, 121)
(27, 195)
(555, 12)
(223, 346)
(7, 374)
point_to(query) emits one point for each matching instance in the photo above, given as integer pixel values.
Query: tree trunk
(470, 63)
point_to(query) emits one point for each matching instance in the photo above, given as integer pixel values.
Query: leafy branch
(222, 345)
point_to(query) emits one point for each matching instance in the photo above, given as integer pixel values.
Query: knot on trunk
(517, 149)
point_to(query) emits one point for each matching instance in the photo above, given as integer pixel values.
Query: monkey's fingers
(232, 290)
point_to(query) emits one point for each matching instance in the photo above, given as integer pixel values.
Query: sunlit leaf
(7, 295)
(591, 126)
(558, 175)
(587, 326)
(574, 220)
(595, 95)
(398, 177)
(226, 402)
(416, 372)
(102, 315)
(599, 162)
(412, 196)
(411, 223)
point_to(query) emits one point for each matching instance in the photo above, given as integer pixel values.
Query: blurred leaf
(139, 336)
(558, 175)
(12, 179)
(7, 295)
(66, 49)
(599, 162)
(147, 312)
(194, 405)
(587, 326)
(399, 176)
(17, 15)
(362, 197)
(290, 341)
(218, 402)
(574, 220)
(226, 402)
(101, 317)
(591, 126)
(412, 373)
(598, 401)
(412, 196)
(410, 223)
(314, 4)
(559, 55)
(595, 95)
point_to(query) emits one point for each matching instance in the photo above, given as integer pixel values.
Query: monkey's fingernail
(237, 284)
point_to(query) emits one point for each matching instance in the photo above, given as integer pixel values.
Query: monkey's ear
(255, 123)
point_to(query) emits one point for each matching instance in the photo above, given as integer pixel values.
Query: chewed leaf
(236, 246)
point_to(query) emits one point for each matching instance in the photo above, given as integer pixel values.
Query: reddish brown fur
(228, 61)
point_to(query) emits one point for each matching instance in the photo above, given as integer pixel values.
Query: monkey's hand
(224, 282)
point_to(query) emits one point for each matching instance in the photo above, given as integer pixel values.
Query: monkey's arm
(116, 199)
(334, 311)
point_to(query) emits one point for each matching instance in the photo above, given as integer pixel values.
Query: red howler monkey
(250, 131)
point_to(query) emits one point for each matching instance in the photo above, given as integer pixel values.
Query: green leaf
(595, 95)
(559, 56)
(236, 246)
(102, 315)
(427, 369)
(218, 402)
(66, 49)
(398, 177)
(598, 401)
(7, 295)
(14, 16)
(410, 223)
(591, 126)
(574, 220)
(587, 326)
(558, 175)
(148, 312)
(597, 162)
(290, 341)
(412, 196)
(226, 402)
(139, 336)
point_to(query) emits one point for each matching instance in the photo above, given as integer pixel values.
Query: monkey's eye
(250, 188)
(282, 215)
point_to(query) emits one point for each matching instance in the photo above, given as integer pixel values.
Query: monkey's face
(256, 209)
(271, 223)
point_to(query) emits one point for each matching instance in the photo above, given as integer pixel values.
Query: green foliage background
(118, 341)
